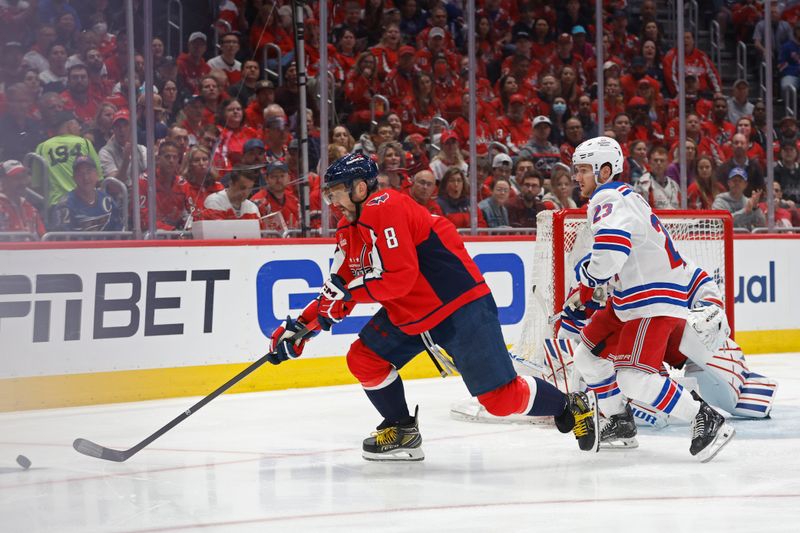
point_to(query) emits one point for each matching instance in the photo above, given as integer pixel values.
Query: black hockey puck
(23, 461)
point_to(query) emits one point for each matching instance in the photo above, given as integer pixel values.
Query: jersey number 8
(391, 237)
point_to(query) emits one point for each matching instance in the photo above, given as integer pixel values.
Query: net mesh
(700, 238)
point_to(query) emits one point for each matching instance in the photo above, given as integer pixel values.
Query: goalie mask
(598, 152)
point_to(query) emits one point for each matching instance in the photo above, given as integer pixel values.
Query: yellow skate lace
(385, 436)
(581, 428)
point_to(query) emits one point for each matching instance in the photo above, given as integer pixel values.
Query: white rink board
(167, 319)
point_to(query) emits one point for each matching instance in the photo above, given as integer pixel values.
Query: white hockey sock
(659, 391)
(598, 373)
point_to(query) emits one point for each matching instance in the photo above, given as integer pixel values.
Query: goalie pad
(724, 379)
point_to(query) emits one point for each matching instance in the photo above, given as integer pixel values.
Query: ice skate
(619, 431)
(582, 418)
(710, 432)
(398, 442)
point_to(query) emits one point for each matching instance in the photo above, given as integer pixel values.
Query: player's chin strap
(443, 363)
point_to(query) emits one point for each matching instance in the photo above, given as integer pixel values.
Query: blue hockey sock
(390, 401)
(547, 400)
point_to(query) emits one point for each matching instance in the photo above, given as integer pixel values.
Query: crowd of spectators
(226, 142)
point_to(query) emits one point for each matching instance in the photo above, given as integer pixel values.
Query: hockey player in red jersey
(392, 251)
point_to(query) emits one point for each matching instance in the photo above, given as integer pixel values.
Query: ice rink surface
(290, 461)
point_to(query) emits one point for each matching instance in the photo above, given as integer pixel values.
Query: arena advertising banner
(82, 310)
(72, 311)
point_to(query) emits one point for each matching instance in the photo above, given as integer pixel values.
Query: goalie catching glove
(708, 320)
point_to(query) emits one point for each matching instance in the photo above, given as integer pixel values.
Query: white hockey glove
(708, 320)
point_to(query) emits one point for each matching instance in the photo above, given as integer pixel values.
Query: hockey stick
(87, 447)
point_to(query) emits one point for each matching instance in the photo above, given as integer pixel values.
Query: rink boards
(97, 323)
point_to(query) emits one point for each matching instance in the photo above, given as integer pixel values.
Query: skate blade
(620, 444)
(724, 436)
(400, 454)
(595, 420)
(482, 417)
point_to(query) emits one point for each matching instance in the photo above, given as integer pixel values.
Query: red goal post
(563, 237)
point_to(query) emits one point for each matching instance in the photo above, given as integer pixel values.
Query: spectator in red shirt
(422, 190)
(701, 193)
(191, 66)
(453, 199)
(399, 82)
(417, 117)
(360, 86)
(16, 213)
(573, 136)
(565, 56)
(264, 96)
(233, 133)
(697, 63)
(391, 162)
(278, 196)
(77, 98)
(718, 128)
(543, 45)
(171, 202)
(515, 128)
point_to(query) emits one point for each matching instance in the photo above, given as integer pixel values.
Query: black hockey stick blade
(89, 448)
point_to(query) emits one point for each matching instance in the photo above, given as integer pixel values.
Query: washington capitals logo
(378, 200)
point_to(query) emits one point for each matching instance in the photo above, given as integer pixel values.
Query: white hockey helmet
(597, 152)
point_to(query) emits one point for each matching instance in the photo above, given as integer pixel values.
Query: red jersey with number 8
(410, 261)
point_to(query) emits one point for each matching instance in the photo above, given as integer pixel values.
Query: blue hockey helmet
(350, 168)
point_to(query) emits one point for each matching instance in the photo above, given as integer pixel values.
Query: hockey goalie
(704, 359)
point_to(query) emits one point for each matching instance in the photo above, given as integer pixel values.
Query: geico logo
(275, 300)
(757, 289)
(15, 305)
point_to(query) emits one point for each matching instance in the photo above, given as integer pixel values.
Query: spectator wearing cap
(226, 60)
(437, 18)
(55, 77)
(191, 65)
(20, 133)
(233, 132)
(191, 117)
(17, 213)
(399, 84)
(232, 203)
(172, 204)
(502, 167)
(697, 63)
(581, 46)
(247, 86)
(115, 156)
(781, 32)
(564, 55)
(571, 16)
(433, 46)
(86, 208)
(643, 127)
(278, 196)
(76, 97)
(454, 200)
(264, 97)
(523, 208)
(494, 207)
(701, 193)
(199, 178)
(423, 191)
(623, 43)
(745, 211)
(740, 159)
(514, 129)
(449, 155)
(539, 148)
(630, 81)
(787, 170)
(60, 151)
(788, 130)
(655, 186)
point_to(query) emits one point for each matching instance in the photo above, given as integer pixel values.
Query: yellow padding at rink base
(138, 385)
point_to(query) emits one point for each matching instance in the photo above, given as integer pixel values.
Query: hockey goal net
(563, 237)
